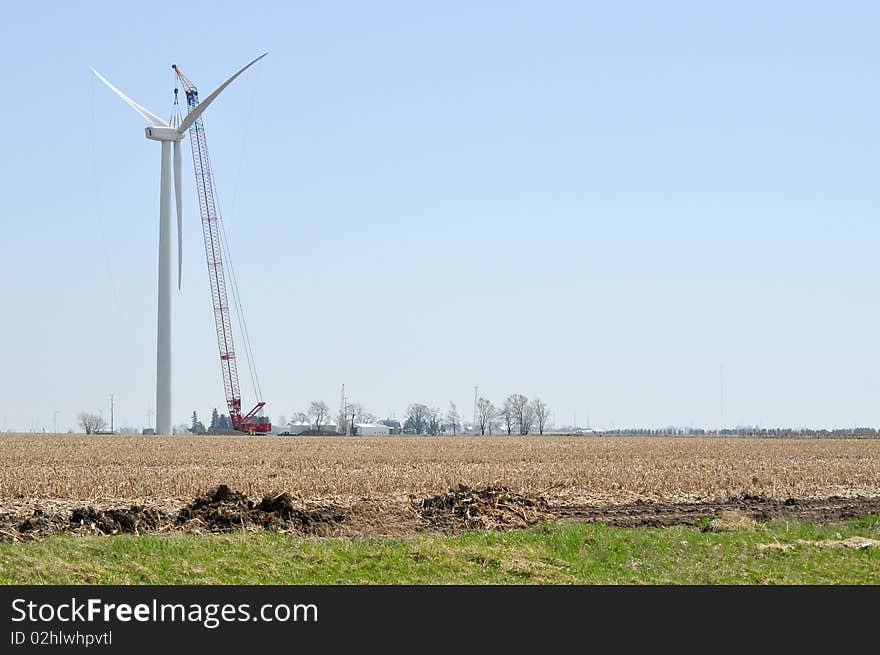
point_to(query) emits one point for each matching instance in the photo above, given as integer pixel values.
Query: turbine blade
(203, 105)
(143, 111)
(179, 201)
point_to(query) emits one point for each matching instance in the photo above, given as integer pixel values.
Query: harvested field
(393, 486)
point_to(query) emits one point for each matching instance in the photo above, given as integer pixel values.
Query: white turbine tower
(161, 131)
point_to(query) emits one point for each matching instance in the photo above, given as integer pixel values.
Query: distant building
(298, 427)
(394, 426)
(366, 429)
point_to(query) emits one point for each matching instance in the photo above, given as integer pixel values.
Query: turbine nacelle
(163, 133)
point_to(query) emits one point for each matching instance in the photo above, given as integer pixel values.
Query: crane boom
(211, 227)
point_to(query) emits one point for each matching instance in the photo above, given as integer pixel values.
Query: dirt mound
(481, 508)
(219, 510)
(29, 524)
(224, 510)
(488, 508)
(316, 520)
(133, 520)
(36, 523)
(280, 505)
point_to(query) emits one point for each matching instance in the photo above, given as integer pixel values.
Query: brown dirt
(758, 508)
(36, 524)
(134, 520)
(225, 510)
(462, 508)
(489, 508)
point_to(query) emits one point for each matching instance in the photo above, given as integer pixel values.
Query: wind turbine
(160, 130)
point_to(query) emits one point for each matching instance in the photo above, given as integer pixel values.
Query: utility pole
(474, 424)
(111, 413)
(343, 412)
(721, 387)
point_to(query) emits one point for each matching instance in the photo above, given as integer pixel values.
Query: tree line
(515, 415)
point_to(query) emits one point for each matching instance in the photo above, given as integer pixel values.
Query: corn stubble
(593, 470)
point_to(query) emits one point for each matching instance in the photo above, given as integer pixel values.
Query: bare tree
(318, 412)
(508, 414)
(485, 415)
(355, 413)
(417, 416)
(539, 410)
(300, 417)
(435, 421)
(91, 423)
(452, 417)
(527, 419)
(351, 413)
(519, 407)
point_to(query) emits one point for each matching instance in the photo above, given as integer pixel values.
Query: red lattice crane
(252, 422)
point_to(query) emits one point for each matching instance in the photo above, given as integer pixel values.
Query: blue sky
(598, 203)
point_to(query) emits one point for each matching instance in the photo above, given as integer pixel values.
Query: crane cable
(239, 314)
(224, 245)
(236, 298)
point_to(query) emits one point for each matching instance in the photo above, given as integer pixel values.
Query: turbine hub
(160, 133)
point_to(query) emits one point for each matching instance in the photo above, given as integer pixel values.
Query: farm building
(298, 427)
(364, 429)
(295, 427)
(393, 425)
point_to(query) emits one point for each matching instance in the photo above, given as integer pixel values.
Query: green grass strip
(564, 553)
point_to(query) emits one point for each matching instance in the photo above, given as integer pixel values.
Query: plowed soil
(824, 510)
(462, 508)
